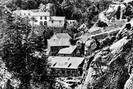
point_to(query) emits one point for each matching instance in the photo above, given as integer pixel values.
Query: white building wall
(56, 23)
(40, 19)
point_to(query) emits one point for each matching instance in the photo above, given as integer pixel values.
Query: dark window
(41, 23)
(45, 18)
(45, 23)
(52, 21)
(68, 72)
(63, 71)
(41, 17)
(35, 20)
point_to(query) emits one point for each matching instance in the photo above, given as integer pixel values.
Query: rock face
(107, 70)
(109, 67)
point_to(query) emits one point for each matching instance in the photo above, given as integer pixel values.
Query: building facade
(49, 21)
(57, 42)
(66, 66)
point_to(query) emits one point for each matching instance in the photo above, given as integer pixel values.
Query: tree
(23, 55)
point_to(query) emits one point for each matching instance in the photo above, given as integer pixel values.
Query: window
(41, 17)
(45, 18)
(63, 71)
(35, 20)
(52, 21)
(68, 72)
(45, 23)
(41, 23)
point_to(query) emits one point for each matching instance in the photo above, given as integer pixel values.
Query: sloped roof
(62, 35)
(65, 62)
(40, 14)
(22, 11)
(57, 18)
(59, 42)
(32, 12)
(68, 50)
(60, 39)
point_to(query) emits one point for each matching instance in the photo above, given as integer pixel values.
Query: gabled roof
(68, 50)
(57, 18)
(22, 11)
(34, 12)
(40, 14)
(60, 39)
(62, 35)
(65, 62)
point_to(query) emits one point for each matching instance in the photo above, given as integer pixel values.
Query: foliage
(24, 56)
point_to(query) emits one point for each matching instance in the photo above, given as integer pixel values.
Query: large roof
(62, 35)
(60, 39)
(65, 62)
(57, 18)
(68, 50)
(40, 14)
(34, 12)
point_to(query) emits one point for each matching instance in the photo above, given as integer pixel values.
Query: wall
(61, 72)
(43, 19)
(56, 23)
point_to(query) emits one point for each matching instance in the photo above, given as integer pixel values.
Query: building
(44, 10)
(40, 18)
(66, 66)
(83, 28)
(71, 24)
(47, 20)
(57, 42)
(56, 21)
(22, 13)
(69, 51)
(30, 13)
(44, 17)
